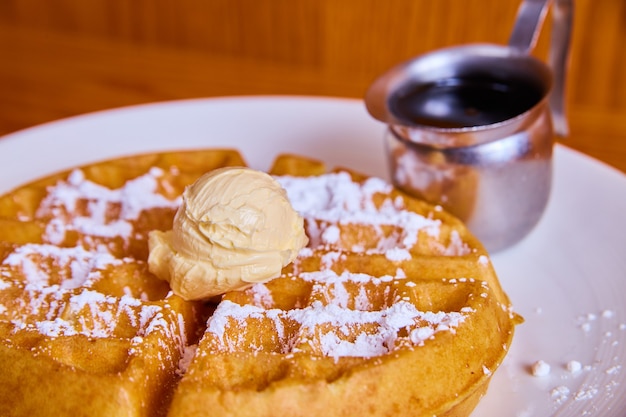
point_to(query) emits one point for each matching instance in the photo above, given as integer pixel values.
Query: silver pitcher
(487, 161)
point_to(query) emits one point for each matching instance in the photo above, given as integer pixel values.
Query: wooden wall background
(60, 58)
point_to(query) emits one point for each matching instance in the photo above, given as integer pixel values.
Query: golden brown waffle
(394, 307)
(85, 329)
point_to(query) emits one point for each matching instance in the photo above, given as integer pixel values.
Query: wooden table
(62, 58)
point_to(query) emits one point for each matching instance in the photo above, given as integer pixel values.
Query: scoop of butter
(235, 227)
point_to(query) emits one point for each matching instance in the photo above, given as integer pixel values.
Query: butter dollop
(235, 227)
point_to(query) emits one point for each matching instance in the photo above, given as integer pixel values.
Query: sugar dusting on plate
(577, 383)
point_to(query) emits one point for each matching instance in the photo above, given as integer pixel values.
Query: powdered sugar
(330, 235)
(331, 201)
(64, 198)
(587, 381)
(397, 254)
(80, 265)
(573, 366)
(54, 312)
(560, 393)
(262, 297)
(540, 368)
(340, 324)
(336, 331)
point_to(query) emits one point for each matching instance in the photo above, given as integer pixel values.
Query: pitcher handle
(530, 17)
(558, 60)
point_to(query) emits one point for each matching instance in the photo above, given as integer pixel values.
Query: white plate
(568, 278)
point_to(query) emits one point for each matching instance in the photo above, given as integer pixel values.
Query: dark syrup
(465, 101)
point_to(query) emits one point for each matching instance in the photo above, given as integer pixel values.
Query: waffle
(85, 329)
(393, 308)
